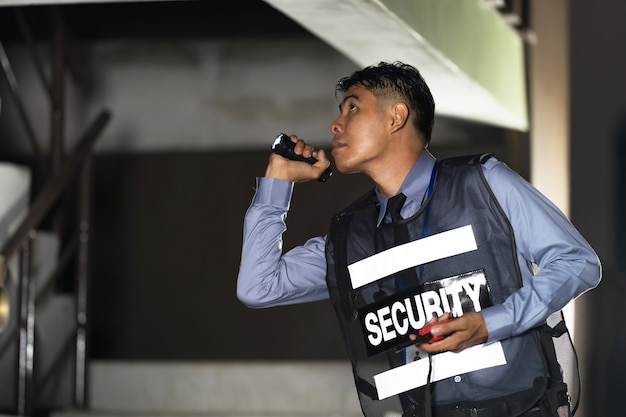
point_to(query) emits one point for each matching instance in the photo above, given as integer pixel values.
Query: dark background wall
(598, 115)
(166, 253)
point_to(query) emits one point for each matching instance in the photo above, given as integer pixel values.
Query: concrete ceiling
(471, 58)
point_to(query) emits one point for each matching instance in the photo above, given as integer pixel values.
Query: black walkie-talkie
(283, 146)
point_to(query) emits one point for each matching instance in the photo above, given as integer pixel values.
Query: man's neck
(392, 175)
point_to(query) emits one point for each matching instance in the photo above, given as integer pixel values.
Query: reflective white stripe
(445, 365)
(428, 249)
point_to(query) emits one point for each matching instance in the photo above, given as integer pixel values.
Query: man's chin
(346, 170)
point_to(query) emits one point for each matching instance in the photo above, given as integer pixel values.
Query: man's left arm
(556, 262)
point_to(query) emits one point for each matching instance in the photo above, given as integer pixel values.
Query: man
(476, 256)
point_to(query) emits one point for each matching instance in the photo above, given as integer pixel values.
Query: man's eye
(352, 107)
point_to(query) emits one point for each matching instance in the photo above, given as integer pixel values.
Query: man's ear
(399, 116)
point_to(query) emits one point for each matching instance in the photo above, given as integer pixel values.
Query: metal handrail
(52, 190)
(80, 159)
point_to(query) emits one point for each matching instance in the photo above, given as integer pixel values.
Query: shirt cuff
(273, 191)
(498, 324)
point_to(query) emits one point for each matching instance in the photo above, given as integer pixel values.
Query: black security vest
(460, 197)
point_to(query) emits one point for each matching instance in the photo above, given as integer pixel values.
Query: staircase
(44, 244)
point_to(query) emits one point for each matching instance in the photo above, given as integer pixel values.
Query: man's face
(360, 133)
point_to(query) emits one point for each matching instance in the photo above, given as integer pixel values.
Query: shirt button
(457, 379)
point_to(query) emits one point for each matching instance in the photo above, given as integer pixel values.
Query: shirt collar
(414, 186)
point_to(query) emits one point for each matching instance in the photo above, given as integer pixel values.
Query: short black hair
(401, 79)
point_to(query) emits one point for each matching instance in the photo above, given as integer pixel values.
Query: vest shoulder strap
(366, 200)
(467, 159)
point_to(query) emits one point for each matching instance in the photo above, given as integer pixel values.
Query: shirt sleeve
(556, 262)
(267, 276)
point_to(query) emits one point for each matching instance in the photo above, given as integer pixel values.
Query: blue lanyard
(431, 184)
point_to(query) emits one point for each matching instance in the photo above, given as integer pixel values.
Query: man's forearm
(267, 276)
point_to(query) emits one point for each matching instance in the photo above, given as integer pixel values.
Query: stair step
(14, 197)
(310, 413)
(79, 413)
(172, 389)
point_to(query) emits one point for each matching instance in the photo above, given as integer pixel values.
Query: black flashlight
(283, 146)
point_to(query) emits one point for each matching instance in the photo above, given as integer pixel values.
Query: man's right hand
(297, 171)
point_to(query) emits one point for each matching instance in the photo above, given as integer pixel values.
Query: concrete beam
(470, 57)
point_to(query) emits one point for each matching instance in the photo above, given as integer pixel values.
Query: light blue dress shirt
(556, 262)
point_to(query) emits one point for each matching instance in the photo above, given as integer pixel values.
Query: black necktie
(394, 205)
(408, 277)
